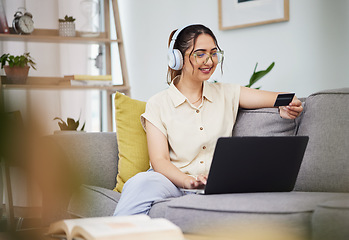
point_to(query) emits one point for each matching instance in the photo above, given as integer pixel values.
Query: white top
(192, 132)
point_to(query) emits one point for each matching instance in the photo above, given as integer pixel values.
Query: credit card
(283, 99)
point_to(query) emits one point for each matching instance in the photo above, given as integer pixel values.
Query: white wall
(311, 51)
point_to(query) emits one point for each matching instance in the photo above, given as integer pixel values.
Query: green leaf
(67, 19)
(258, 75)
(83, 127)
(32, 64)
(58, 118)
(3, 59)
(63, 126)
(72, 125)
(252, 78)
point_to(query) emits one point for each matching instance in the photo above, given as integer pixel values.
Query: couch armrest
(66, 161)
(91, 157)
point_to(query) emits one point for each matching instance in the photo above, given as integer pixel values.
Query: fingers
(293, 110)
(296, 102)
(202, 179)
(194, 184)
(290, 112)
(291, 115)
(191, 183)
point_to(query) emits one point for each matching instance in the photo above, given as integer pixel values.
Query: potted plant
(69, 125)
(66, 26)
(17, 67)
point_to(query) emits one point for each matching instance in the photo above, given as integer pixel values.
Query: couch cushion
(287, 202)
(92, 201)
(131, 138)
(205, 213)
(331, 220)
(263, 122)
(325, 120)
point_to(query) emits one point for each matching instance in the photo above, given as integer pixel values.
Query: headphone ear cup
(175, 59)
(171, 59)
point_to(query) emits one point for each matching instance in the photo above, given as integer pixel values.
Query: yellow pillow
(131, 139)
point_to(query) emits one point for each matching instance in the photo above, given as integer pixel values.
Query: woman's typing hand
(195, 183)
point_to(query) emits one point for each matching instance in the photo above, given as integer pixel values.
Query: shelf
(51, 36)
(119, 88)
(53, 83)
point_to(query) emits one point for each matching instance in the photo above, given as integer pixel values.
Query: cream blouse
(192, 132)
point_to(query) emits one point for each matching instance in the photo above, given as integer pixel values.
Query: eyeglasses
(202, 57)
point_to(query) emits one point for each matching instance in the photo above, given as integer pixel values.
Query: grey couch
(317, 209)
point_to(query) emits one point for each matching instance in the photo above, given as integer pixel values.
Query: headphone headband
(175, 58)
(175, 35)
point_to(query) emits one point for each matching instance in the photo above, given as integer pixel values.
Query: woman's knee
(149, 181)
(146, 178)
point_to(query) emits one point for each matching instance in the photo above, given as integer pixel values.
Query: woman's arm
(253, 98)
(160, 159)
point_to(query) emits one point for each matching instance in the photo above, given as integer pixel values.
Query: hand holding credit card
(283, 99)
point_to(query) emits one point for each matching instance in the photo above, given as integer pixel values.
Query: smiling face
(200, 60)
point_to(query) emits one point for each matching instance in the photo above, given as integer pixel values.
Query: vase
(67, 29)
(90, 9)
(16, 75)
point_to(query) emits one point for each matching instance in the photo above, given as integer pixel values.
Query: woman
(184, 122)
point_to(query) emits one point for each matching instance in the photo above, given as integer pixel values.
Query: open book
(126, 228)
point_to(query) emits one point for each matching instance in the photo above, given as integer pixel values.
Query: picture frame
(234, 14)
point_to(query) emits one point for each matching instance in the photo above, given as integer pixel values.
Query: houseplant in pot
(66, 26)
(17, 67)
(69, 125)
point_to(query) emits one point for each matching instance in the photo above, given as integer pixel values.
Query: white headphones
(174, 56)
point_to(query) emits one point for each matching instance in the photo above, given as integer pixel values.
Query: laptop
(254, 164)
